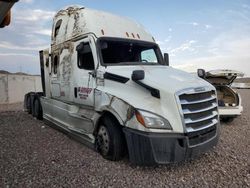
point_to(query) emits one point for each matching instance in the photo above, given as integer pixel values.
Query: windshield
(129, 52)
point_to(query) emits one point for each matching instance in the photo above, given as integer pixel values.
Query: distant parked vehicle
(229, 101)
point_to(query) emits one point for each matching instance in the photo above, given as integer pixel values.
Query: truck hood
(163, 78)
(222, 77)
(166, 80)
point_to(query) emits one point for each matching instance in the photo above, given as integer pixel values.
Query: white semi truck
(106, 82)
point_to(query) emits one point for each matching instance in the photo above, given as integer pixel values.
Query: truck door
(84, 83)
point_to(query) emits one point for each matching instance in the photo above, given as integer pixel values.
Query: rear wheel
(29, 109)
(110, 140)
(37, 111)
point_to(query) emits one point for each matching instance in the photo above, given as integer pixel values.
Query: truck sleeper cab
(106, 82)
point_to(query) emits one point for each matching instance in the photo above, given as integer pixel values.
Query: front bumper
(230, 111)
(163, 148)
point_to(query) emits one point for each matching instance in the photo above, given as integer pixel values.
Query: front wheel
(110, 140)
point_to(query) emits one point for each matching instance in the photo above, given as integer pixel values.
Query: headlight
(151, 120)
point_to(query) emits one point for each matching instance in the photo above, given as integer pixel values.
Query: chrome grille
(199, 109)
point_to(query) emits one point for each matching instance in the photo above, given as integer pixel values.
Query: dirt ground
(11, 107)
(32, 154)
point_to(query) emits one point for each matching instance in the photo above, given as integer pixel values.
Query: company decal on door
(83, 92)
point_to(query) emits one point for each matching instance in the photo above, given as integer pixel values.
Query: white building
(13, 87)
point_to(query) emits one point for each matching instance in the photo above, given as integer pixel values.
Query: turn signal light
(139, 118)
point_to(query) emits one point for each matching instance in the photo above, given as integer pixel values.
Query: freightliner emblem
(199, 89)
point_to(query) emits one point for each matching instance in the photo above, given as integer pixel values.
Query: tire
(29, 108)
(110, 140)
(227, 119)
(25, 105)
(37, 110)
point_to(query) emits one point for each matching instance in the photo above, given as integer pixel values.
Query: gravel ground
(33, 154)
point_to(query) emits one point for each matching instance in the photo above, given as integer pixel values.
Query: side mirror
(6, 20)
(138, 75)
(166, 59)
(201, 73)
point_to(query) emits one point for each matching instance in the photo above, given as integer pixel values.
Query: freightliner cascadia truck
(106, 82)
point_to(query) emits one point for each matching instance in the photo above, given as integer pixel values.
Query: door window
(85, 57)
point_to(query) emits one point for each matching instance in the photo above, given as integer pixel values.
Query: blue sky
(208, 34)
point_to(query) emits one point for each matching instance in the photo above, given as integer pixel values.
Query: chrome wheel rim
(103, 140)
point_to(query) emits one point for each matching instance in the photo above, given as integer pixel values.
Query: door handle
(75, 92)
(93, 73)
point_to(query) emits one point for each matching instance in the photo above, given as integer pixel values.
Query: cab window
(57, 27)
(148, 56)
(85, 57)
